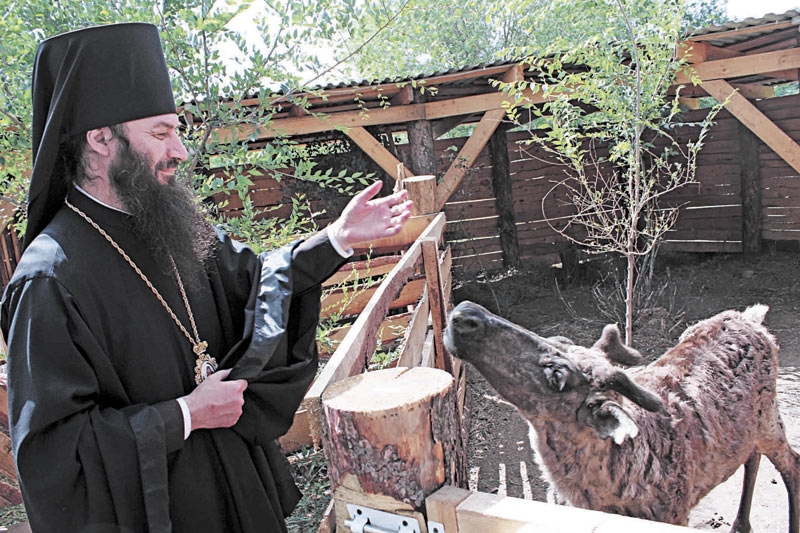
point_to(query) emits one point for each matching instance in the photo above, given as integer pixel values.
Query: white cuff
(187, 418)
(337, 245)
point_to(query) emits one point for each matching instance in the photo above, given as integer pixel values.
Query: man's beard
(166, 216)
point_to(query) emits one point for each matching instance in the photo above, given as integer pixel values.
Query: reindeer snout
(466, 324)
(466, 319)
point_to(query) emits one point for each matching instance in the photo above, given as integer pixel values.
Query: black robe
(95, 364)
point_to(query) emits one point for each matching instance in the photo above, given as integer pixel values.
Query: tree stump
(392, 437)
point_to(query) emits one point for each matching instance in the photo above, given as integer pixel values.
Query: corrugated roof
(768, 22)
(398, 79)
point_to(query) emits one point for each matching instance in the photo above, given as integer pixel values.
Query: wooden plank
(392, 328)
(430, 258)
(315, 124)
(441, 507)
(763, 40)
(422, 191)
(414, 338)
(299, 434)
(466, 157)
(7, 457)
(702, 246)
(328, 522)
(375, 150)
(410, 232)
(756, 121)
(353, 302)
(780, 235)
(700, 52)
(362, 269)
(481, 512)
(744, 66)
(298, 126)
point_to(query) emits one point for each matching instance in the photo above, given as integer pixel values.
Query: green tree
(611, 124)
(213, 89)
(430, 36)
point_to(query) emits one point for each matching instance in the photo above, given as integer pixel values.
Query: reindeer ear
(608, 419)
(611, 345)
(618, 380)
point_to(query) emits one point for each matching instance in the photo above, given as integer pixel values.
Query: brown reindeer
(649, 441)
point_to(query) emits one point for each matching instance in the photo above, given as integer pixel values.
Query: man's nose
(177, 150)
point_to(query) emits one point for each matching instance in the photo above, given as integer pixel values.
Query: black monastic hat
(83, 80)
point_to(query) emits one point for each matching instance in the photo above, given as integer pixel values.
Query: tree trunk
(392, 437)
(420, 140)
(503, 197)
(751, 190)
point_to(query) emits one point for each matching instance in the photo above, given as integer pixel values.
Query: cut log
(391, 438)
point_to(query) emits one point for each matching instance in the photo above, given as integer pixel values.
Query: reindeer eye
(556, 377)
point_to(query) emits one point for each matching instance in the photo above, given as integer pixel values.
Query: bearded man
(152, 360)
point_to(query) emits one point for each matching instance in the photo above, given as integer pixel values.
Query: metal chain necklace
(205, 365)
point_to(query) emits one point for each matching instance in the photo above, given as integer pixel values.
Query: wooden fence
(418, 280)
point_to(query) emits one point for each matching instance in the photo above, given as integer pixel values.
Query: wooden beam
(392, 328)
(699, 52)
(466, 157)
(764, 40)
(353, 301)
(750, 169)
(410, 232)
(743, 31)
(442, 504)
(375, 150)
(430, 258)
(755, 91)
(748, 65)
(504, 197)
(756, 121)
(414, 336)
(420, 144)
(500, 514)
(422, 191)
(362, 269)
(440, 127)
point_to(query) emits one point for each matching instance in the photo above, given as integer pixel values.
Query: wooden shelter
(491, 187)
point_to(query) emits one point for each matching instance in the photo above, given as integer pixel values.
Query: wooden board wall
(710, 219)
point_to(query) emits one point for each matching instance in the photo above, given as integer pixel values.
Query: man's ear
(607, 418)
(99, 141)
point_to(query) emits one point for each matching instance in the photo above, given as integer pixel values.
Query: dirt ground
(685, 289)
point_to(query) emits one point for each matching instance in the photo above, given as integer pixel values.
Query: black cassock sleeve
(78, 461)
(278, 351)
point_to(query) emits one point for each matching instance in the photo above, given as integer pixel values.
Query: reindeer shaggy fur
(649, 441)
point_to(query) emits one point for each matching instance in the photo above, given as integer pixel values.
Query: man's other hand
(216, 403)
(366, 218)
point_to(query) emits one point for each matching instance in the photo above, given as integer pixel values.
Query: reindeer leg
(774, 445)
(742, 522)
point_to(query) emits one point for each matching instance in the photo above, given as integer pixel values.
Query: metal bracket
(435, 527)
(366, 520)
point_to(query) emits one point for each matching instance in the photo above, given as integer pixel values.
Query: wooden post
(422, 190)
(392, 437)
(420, 141)
(441, 506)
(430, 258)
(504, 199)
(751, 190)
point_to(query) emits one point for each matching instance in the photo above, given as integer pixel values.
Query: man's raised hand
(366, 218)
